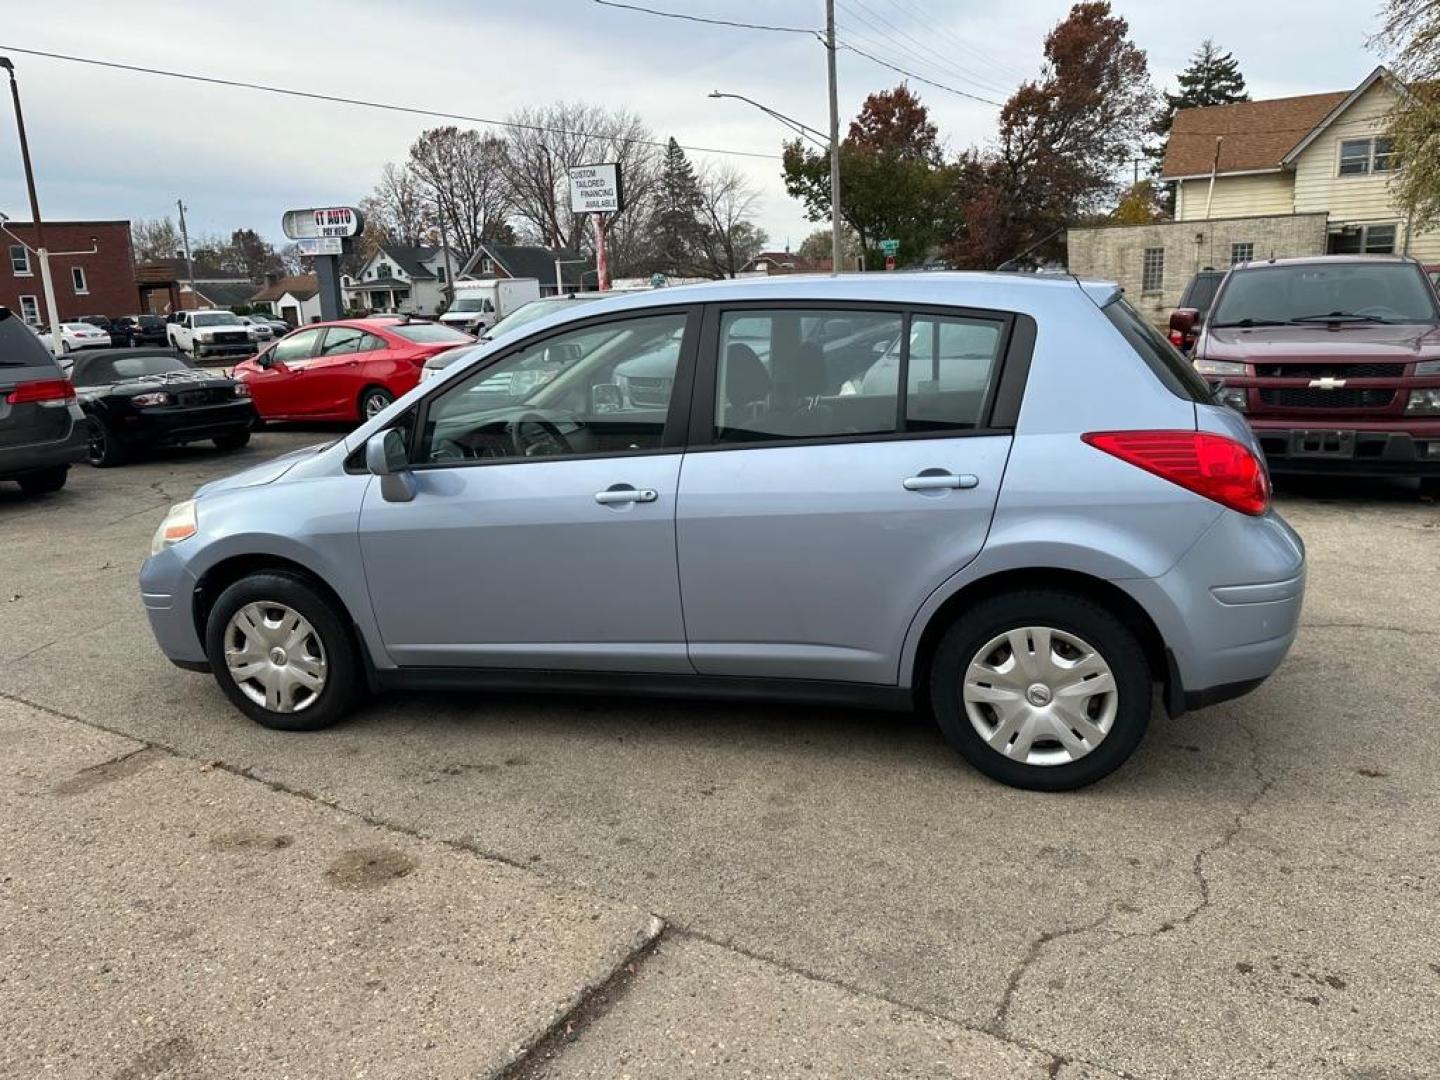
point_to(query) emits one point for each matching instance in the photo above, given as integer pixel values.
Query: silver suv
(1005, 499)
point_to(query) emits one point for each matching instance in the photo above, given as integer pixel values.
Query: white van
(478, 305)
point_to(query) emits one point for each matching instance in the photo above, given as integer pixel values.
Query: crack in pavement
(1411, 630)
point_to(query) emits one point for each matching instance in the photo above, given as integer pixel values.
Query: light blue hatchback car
(1003, 498)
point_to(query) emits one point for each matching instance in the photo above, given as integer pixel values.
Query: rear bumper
(17, 461)
(1402, 447)
(165, 427)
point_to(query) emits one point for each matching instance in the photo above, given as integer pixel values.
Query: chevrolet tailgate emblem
(1327, 383)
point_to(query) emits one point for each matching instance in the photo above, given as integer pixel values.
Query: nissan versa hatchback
(1006, 500)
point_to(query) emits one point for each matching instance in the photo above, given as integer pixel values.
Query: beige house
(1305, 175)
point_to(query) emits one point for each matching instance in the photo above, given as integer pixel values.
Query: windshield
(536, 309)
(216, 318)
(430, 334)
(1382, 292)
(104, 370)
(467, 303)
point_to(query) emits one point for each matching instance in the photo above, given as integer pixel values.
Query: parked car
(263, 330)
(1334, 360)
(278, 327)
(521, 316)
(347, 370)
(42, 430)
(140, 330)
(139, 399)
(205, 334)
(75, 336)
(1195, 303)
(101, 322)
(1028, 559)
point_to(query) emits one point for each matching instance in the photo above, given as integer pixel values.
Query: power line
(1006, 72)
(919, 78)
(385, 106)
(882, 26)
(704, 19)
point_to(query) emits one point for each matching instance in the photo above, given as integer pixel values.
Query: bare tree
(399, 207)
(537, 158)
(461, 175)
(154, 238)
(728, 238)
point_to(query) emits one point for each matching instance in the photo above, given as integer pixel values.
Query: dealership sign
(595, 189)
(321, 245)
(339, 221)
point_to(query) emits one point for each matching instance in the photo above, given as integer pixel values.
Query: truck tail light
(42, 392)
(1177, 339)
(1209, 465)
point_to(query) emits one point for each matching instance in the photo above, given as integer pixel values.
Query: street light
(40, 250)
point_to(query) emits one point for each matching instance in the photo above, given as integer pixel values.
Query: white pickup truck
(205, 334)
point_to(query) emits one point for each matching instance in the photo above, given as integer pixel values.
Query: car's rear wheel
(44, 481)
(233, 441)
(374, 401)
(105, 450)
(1041, 689)
(283, 653)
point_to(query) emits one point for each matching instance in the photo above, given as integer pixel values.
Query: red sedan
(346, 370)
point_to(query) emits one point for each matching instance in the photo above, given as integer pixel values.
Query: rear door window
(19, 347)
(1172, 369)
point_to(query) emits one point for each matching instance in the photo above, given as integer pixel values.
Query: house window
(77, 279)
(1241, 253)
(1152, 270)
(1361, 157)
(382, 271)
(1363, 240)
(30, 310)
(19, 260)
(488, 266)
(440, 274)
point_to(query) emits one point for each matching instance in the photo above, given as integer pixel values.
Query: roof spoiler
(1101, 293)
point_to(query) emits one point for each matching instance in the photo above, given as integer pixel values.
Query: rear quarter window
(19, 347)
(1172, 369)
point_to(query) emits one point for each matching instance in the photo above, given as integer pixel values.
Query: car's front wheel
(1041, 689)
(282, 652)
(234, 441)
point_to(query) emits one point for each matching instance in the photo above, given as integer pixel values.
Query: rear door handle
(619, 494)
(939, 480)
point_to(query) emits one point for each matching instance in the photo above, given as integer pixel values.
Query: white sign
(595, 189)
(339, 221)
(321, 245)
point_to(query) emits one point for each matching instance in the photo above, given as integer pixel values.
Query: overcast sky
(116, 144)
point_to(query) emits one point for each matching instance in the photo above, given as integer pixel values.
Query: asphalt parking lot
(1254, 894)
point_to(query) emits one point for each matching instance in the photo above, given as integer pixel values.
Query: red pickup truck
(1334, 360)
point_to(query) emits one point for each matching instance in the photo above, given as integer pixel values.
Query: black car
(132, 330)
(118, 335)
(141, 398)
(41, 428)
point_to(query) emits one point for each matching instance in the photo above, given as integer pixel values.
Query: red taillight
(42, 392)
(1210, 465)
(1177, 339)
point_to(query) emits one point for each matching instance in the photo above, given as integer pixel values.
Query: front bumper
(229, 348)
(167, 590)
(1403, 447)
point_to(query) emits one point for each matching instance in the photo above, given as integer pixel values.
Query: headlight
(1428, 367)
(241, 390)
(1423, 401)
(1219, 367)
(179, 524)
(157, 398)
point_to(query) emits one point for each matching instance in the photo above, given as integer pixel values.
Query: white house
(295, 298)
(558, 270)
(406, 279)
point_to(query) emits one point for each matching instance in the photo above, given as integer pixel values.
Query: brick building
(100, 281)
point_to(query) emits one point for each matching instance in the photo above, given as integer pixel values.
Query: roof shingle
(1257, 134)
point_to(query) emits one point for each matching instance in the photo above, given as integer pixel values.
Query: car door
(278, 387)
(333, 377)
(542, 529)
(820, 505)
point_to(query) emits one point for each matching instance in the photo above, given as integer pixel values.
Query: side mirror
(1184, 320)
(386, 458)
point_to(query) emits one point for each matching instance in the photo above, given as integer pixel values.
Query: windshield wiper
(1248, 322)
(1338, 316)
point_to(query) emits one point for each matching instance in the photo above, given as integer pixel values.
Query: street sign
(889, 262)
(595, 189)
(890, 247)
(341, 221)
(321, 245)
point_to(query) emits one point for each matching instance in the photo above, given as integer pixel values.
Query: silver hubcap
(375, 404)
(275, 657)
(1040, 696)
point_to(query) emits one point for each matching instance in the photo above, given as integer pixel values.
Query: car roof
(1329, 260)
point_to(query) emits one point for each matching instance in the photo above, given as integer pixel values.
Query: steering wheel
(528, 446)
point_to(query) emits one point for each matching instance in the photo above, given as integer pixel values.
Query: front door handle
(939, 480)
(619, 494)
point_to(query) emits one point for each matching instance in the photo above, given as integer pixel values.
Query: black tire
(372, 397)
(344, 680)
(1430, 487)
(45, 481)
(233, 441)
(105, 449)
(1071, 614)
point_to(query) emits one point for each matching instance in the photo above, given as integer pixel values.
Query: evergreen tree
(1213, 78)
(677, 214)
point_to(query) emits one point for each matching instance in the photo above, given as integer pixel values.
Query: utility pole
(41, 251)
(449, 291)
(189, 262)
(834, 139)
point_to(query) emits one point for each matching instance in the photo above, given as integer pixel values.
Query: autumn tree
(817, 246)
(1410, 37)
(398, 207)
(893, 182)
(251, 254)
(1063, 142)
